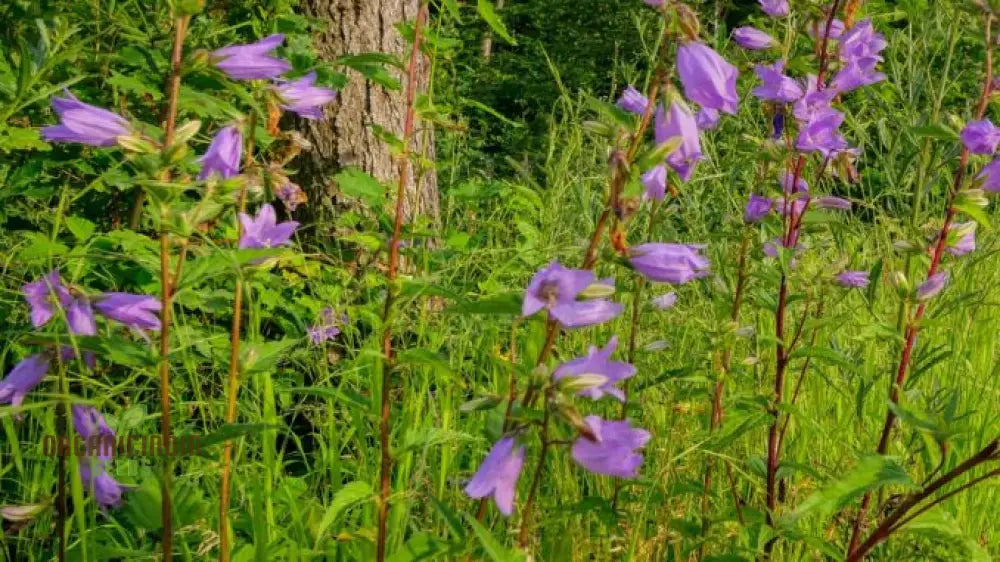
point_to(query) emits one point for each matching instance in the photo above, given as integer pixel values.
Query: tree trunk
(346, 137)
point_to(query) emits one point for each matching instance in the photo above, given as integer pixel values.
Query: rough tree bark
(346, 138)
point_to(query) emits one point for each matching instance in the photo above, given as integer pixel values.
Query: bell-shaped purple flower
(327, 327)
(44, 296)
(707, 118)
(80, 317)
(24, 377)
(223, 155)
(787, 178)
(707, 78)
(814, 101)
(821, 134)
(665, 301)
(966, 243)
(669, 263)
(138, 311)
(613, 449)
(752, 38)
(776, 86)
(598, 362)
(252, 61)
(861, 41)
(655, 182)
(89, 423)
(774, 8)
(818, 27)
(990, 176)
(758, 208)
(831, 202)
(856, 73)
(304, 97)
(556, 289)
(633, 101)
(930, 288)
(264, 230)
(981, 137)
(498, 475)
(106, 490)
(855, 279)
(678, 122)
(85, 124)
(291, 195)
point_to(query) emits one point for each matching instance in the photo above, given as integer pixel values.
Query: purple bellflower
(707, 118)
(669, 263)
(264, 230)
(774, 8)
(252, 61)
(818, 28)
(85, 124)
(981, 137)
(752, 38)
(678, 122)
(80, 317)
(930, 288)
(137, 311)
(758, 208)
(106, 490)
(223, 154)
(327, 327)
(89, 423)
(861, 41)
(967, 242)
(831, 202)
(44, 296)
(655, 182)
(304, 97)
(786, 179)
(821, 134)
(633, 101)
(665, 301)
(707, 78)
(856, 73)
(498, 475)
(291, 195)
(556, 289)
(598, 362)
(776, 86)
(855, 279)
(613, 451)
(990, 176)
(24, 377)
(814, 101)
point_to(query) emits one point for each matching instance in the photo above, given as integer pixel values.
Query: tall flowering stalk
(385, 470)
(935, 280)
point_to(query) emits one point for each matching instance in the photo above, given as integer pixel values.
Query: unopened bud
(135, 143)
(899, 281)
(184, 133)
(598, 291)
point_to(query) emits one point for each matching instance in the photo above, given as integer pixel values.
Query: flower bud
(598, 291)
(136, 143)
(184, 133)
(899, 281)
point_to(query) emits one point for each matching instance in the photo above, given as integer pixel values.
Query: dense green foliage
(523, 172)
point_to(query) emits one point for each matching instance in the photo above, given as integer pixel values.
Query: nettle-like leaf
(871, 472)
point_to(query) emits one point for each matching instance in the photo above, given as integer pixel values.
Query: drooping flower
(831, 202)
(707, 118)
(794, 205)
(966, 241)
(981, 137)
(778, 125)
(669, 263)
(856, 279)
(106, 490)
(856, 73)
(934, 284)
(304, 97)
(24, 377)
(776, 86)
(252, 61)
(223, 155)
(818, 28)
(327, 327)
(655, 182)
(598, 362)
(990, 176)
(752, 38)
(861, 41)
(774, 8)
(291, 195)
(498, 475)
(264, 230)
(665, 301)
(633, 101)
(80, 317)
(786, 180)
(138, 311)
(814, 102)
(613, 449)
(654, 3)
(85, 123)
(44, 295)
(556, 289)
(757, 208)
(707, 78)
(678, 122)
(821, 134)
(89, 423)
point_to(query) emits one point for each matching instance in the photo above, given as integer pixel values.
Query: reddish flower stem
(913, 326)
(385, 477)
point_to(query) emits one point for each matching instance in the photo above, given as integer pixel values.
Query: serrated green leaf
(872, 472)
(489, 14)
